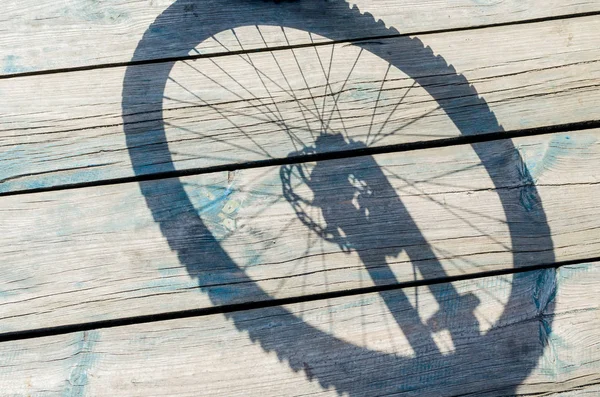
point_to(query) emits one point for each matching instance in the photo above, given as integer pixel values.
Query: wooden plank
(544, 342)
(593, 390)
(100, 253)
(43, 35)
(68, 128)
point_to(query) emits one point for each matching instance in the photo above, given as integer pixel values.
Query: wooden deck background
(473, 270)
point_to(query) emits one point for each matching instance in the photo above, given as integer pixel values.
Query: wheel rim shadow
(322, 357)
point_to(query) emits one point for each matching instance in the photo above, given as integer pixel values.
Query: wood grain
(44, 35)
(335, 78)
(592, 390)
(99, 253)
(545, 344)
(69, 128)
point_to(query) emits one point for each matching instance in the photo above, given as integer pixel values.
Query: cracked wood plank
(69, 128)
(98, 253)
(543, 342)
(591, 390)
(45, 35)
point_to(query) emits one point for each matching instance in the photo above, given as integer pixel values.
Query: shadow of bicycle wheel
(323, 357)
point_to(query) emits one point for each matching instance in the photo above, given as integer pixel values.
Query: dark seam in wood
(402, 147)
(280, 48)
(65, 329)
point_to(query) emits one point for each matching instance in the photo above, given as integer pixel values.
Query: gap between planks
(113, 30)
(530, 86)
(106, 248)
(543, 343)
(293, 47)
(369, 151)
(225, 309)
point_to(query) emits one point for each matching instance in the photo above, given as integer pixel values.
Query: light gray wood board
(98, 253)
(42, 35)
(68, 128)
(592, 390)
(545, 342)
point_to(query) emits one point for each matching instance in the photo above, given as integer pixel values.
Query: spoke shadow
(363, 213)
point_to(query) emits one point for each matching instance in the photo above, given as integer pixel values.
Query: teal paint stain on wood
(17, 174)
(557, 360)
(573, 271)
(94, 11)
(11, 64)
(157, 29)
(217, 205)
(544, 155)
(83, 360)
(207, 199)
(544, 295)
(545, 289)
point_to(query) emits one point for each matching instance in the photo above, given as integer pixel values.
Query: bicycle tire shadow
(322, 357)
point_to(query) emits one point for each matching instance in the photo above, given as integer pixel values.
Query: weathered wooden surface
(346, 346)
(93, 91)
(44, 35)
(97, 253)
(68, 128)
(592, 390)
